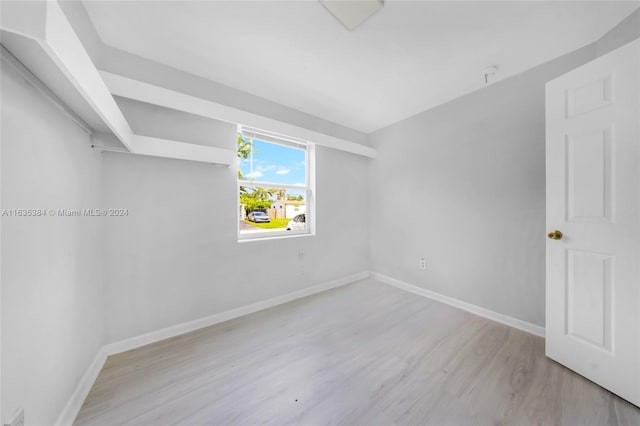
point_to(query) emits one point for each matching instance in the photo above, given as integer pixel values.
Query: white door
(593, 199)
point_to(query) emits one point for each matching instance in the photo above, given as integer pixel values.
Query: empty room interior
(320, 212)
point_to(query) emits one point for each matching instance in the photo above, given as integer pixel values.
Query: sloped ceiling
(409, 57)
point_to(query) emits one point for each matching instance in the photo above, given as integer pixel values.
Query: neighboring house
(288, 208)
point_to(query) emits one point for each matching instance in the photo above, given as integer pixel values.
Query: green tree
(255, 199)
(251, 204)
(261, 193)
(245, 147)
(279, 193)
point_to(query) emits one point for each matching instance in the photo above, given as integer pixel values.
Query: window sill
(249, 239)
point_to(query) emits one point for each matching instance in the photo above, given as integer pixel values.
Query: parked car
(258, 217)
(298, 223)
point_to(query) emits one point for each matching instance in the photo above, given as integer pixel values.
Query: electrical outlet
(17, 419)
(423, 263)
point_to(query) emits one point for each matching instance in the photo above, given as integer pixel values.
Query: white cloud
(283, 171)
(265, 168)
(259, 171)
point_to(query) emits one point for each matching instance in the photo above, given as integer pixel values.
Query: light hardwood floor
(363, 354)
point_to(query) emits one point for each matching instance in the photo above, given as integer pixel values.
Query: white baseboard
(474, 309)
(185, 327)
(72, 408)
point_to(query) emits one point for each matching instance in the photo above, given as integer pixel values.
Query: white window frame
(308, 189)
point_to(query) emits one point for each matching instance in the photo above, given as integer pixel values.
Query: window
(275, 185)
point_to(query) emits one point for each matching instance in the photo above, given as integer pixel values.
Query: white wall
(463, 185)
(52, 316)
(471, 175)
(176, 257)
(626, 31)
(160, 122)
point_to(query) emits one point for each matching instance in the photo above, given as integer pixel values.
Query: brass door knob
(555, 235)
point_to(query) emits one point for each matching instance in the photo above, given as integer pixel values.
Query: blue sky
(275, 163)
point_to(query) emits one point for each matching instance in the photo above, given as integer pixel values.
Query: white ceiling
(409, 57)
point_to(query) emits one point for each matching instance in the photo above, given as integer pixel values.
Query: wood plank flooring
(363, 354)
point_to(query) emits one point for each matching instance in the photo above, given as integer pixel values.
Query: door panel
(589, 280)
(593, 198)
(586, 98)
(589, 177)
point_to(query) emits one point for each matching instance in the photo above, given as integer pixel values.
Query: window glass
(268, 162)
(274, 194)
